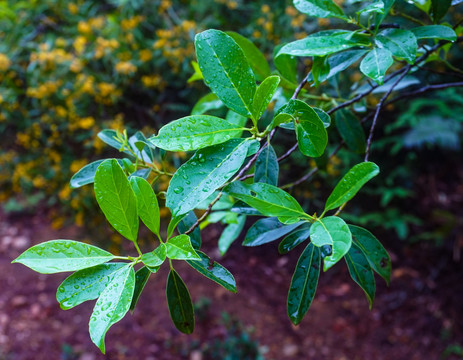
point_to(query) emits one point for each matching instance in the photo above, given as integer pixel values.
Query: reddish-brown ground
(417, 317)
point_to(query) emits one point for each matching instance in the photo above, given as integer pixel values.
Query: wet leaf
(319, 8)
(156, 257)
(264, 95)
(116, 198)
(439, 8)
(86, 284)
(440, 32)
(206, 171)
(141, 278)
(206, 103)
(376, 254)
(351, 131)
(361, 273)
(214, 271)
(351, 183)
(230, 234)
(147, 203)
(401, 43)
(62, 255)
(267, 199)
(112, 305)
(267, 167)
(141, 147)
(195, 132)
(295, 238)
(332, 231)
(180, 248)
(303, 284)
(187, 222)
(376, 63)
(226, 70)
(180, 304)
(266, 230)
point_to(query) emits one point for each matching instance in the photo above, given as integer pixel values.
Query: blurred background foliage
(70, 69)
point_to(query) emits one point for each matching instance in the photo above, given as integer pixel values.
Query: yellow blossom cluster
(5, 62)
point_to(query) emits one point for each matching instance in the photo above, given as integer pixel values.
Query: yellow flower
(265, 8)
(73, 8)
(151, 81)
(125, 67)
(97, 22)
(106, 89)
(86, 123)
(84, 28)
(5, 62)
(39, 181)
(57, 223)
(76, 165)
(65, 193)
(145, 55)
(79, 44)
(79, 219)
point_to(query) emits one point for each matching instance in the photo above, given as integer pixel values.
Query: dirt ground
(417, 317)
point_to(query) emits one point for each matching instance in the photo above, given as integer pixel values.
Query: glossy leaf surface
(376, 254)
(303, 284)
(376, 63)
(179, 303)
(195, 132)
(230, 234)
(226, 70)
(112, 305)
(206, 103)
(116, 198)
(401, 43)
(180, 248)
(351, 131)
(440, 32)
(266, 230)
(62, 255)
(264, 94)
(351, 183)
(147, 203)
(206, 171)
(295, 238)
(86, 284)
(254, 56)
(214, 271)
(439, 8)
(186, 223)
(141, 278)
(156, 257)
(319, 8)
(361, 273)
(86, 175)
(267, 199)
(267, 167)
(332, 231)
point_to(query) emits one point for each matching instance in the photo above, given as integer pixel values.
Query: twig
(425, 89)
(378, 110)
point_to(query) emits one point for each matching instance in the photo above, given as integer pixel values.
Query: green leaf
(320, 69)
(116, 198)
(361, 273)
(109, 137)
(319, 8)
(226, 70)
(351, 183)
(380, 17)
(263, 96)
(147, 203)
(439, 8)
(156, 257)
(256, 59)
(86, 175)
(187, 222)
(323, 43)
(340, 62)
(267, 167)
(266, 230)
(401, 43)
(376, 63)
(324, 117)
(230, 234)
(112, 305)
(205, 172)
(311, 134)
(180, 248)
(295, 238)
(195, 132)
(303, 284)
(376, 7)
(86, 284)
(267, 199)
(332, 231)
(62, 255)
(439, 32)
(197, 75)
(350, 129)
(285, 64)
(214, 271)
(141, 147)
(206, 103)
(179, 302)
(279, 120)
(376, 254)
(141, 278)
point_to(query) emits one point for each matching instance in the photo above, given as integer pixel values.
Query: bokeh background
(70, 69)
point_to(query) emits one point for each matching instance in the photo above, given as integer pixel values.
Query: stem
(138, 249)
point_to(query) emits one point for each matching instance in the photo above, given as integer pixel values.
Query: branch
(379, 107)
(425, 89)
